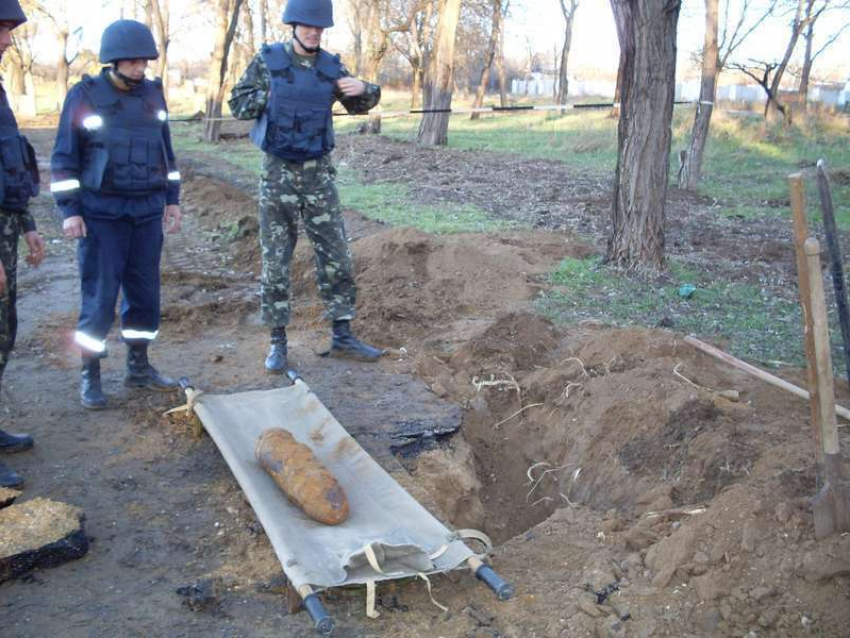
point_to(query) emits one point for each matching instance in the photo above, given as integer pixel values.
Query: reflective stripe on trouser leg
(89, 343)
(102, 256)
(140, 285)
(326, 229)
(279, 206)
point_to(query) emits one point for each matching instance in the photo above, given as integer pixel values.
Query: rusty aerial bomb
(297, 472)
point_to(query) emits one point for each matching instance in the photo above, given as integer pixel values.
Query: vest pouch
(157, 166)
(96, 159)
(281, 128)
(316, 131)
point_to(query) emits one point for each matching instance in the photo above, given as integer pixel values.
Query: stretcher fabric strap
(372, 559)
(465, 534)
(370, 600)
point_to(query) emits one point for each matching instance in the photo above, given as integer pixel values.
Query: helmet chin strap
(125, 79)
(303, 46)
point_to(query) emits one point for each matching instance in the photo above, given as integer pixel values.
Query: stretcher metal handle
(503, 589)
(324, 623)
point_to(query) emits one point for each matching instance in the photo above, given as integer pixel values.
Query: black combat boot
(276, 362)
(346, 346)
(91, 395)
(141, 374)
(15, 442)
(9, 478)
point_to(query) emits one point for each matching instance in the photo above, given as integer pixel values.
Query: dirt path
(626, 501)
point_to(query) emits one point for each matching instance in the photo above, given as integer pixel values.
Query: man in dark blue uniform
(18, 183)
(289, 88)
(115, 180)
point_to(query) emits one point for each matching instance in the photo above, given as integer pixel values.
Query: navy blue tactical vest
(19, 175)
(124, 152)
(297, 124)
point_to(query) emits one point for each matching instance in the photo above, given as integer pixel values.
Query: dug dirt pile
(689, 506)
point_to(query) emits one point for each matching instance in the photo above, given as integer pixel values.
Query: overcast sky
(533, 23)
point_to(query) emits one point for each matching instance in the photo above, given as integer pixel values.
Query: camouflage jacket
(249, 97)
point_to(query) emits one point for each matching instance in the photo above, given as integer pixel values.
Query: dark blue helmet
(311, 13)
(127, 40)
(10, 11)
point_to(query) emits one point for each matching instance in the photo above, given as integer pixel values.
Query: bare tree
(813, 13)
(764, 73)
(773, 105)
(489, 56)
(714, 57)
(56, 11)
(227, 18)
(20, 63)
(646, 30)
(568, 10)
(414, 45)
(381, 19)
(691, 160)
(434, 127)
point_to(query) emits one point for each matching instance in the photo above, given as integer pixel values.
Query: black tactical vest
(299, 124)
(19, 175)
(124, 152)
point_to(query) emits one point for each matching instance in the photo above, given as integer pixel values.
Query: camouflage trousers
(289, 190)
(10, 231)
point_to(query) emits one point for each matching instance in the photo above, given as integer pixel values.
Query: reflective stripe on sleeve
(174, 176)
(64, 186)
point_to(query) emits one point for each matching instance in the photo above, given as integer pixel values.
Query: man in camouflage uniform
(18, 183)
(289, 89)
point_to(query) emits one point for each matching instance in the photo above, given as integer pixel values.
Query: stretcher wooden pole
(760, 374)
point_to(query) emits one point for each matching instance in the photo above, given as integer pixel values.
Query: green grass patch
(393, 204)
(758, 324)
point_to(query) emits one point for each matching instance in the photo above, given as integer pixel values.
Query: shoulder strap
(329, 64)
(99, 91)
(275, 57)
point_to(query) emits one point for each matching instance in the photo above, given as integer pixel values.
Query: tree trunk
(377, 43)
(500, 66)
(806, 71)
(618, 87)
(62, 68)
(772, 109)
(434, 127)
(161, 20)
(691, 168)
(264, 20)
(250, 43)
(488, 59)
(227, 16)
(563, 78)
(416, 89)
(646, 30)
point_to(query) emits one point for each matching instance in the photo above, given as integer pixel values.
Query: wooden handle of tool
(823, 357)
(801, 233)
(772, 379)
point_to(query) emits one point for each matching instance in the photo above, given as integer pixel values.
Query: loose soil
(627, 496)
